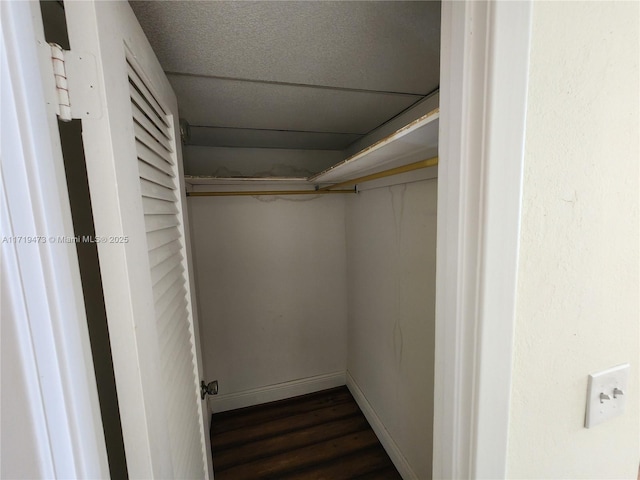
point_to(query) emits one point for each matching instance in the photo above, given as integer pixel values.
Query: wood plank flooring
(323, 435)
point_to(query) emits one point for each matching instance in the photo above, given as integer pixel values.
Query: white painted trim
(270, 393)
(14, 311)
(390, 446)
(484, 72)
(44, 276)
(505, 124)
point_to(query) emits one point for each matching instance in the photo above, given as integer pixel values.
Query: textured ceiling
(303, 74)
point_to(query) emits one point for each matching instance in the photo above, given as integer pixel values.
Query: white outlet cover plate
(598, 410)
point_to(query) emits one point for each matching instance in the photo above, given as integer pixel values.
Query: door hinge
(77, 92)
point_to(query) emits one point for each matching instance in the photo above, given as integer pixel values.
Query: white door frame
(484, 70)
(42, 297)
(483, 99)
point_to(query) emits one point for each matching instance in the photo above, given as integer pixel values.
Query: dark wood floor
(322, 435)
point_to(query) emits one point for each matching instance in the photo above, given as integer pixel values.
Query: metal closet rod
(429, 162)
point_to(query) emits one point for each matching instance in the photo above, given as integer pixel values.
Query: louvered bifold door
(155, 146)
(136, 184)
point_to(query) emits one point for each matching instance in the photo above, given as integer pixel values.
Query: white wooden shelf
(416, 141)
(412, 143)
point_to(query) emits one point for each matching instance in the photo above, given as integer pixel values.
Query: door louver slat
(179, 305)
(136, 81)
(153, 206)
(162, 286)
(159, 272)
(158, 238)
(164, 304)
(142, 120)
(153, 190)
(145, 109)
(158, 222)
(141, 103)
(145, 138)
(154, 175)
(159, 254)
(153, 159)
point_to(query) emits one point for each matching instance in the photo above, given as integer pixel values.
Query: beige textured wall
(578, 288)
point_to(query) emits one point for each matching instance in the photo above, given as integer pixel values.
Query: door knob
(210, 388)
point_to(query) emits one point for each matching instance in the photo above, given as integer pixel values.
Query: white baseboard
(388, 443)
(270, 393)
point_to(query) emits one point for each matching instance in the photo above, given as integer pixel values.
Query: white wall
(271, 283)
(577, 306)
(391, 238)
(257, 162)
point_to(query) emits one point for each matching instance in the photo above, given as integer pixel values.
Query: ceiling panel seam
(293, 84)
(276, 130)
(245, 147)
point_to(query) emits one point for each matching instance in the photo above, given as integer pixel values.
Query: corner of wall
(387, 441)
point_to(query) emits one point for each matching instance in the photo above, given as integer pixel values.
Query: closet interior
(310, 143)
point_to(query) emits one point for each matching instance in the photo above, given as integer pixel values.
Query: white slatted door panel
(159, 189)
